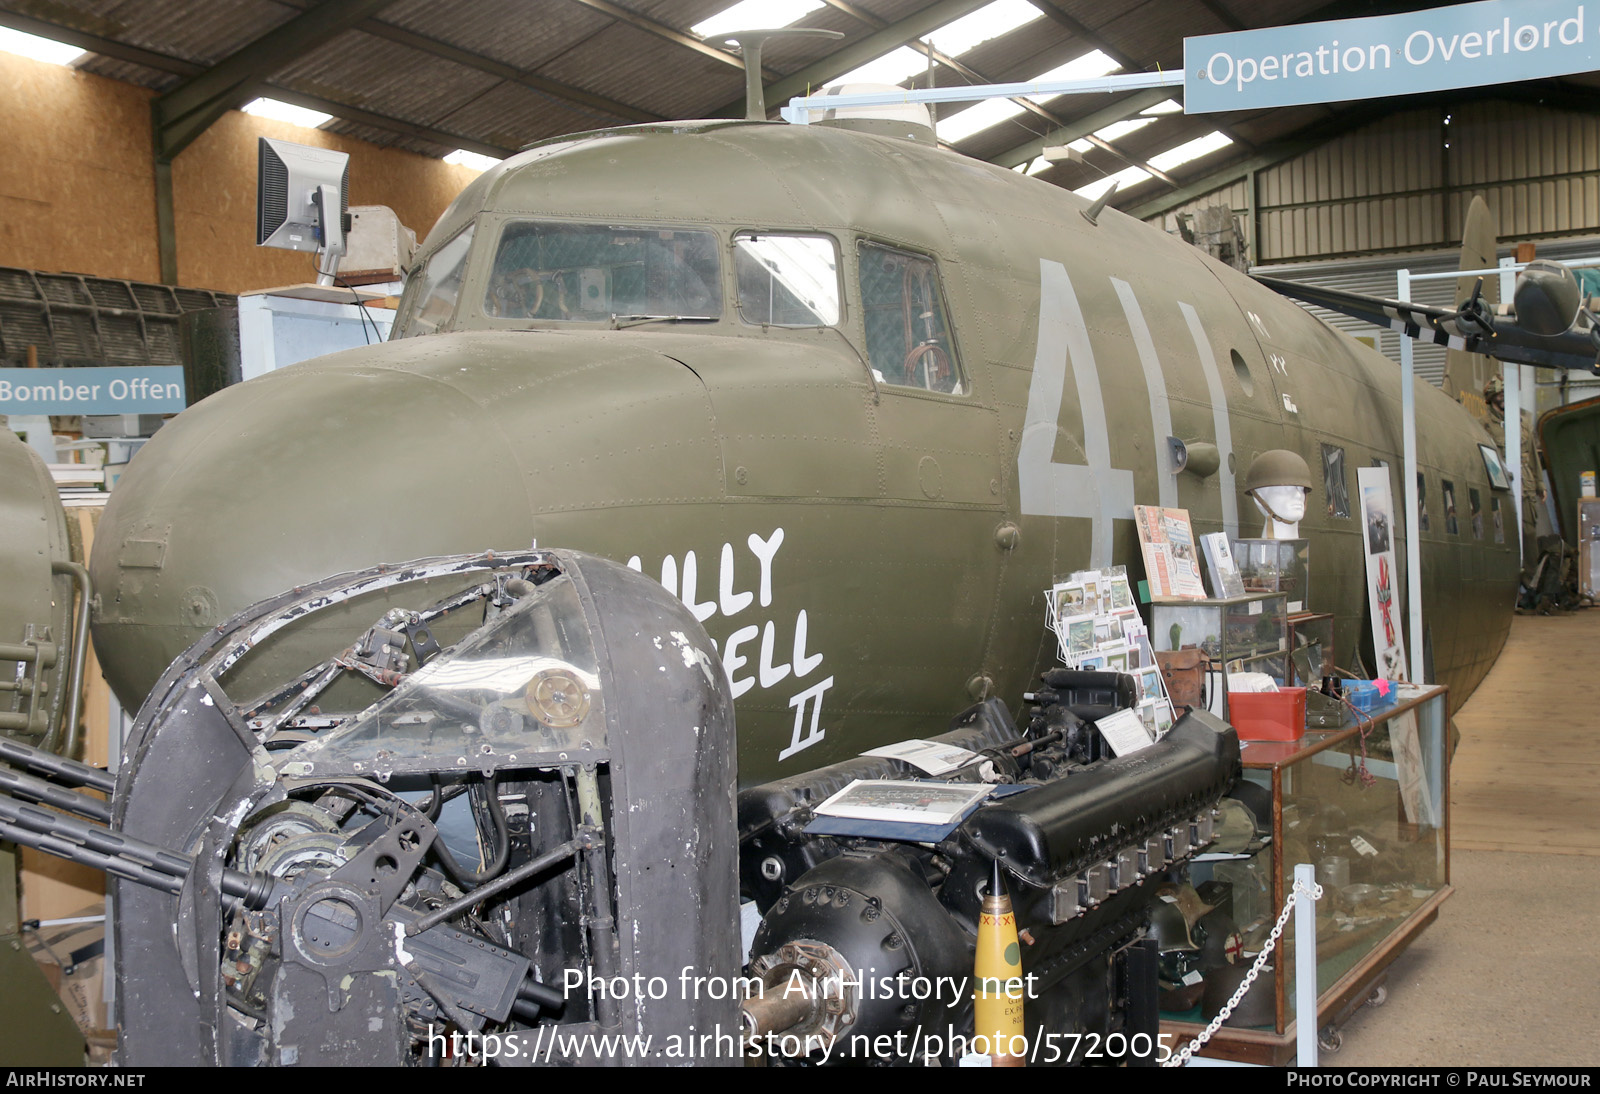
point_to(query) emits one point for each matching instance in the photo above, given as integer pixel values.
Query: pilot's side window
(787, 280)
(902, 306)
(430, 295)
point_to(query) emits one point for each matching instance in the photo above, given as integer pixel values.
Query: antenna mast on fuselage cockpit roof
(749, 43)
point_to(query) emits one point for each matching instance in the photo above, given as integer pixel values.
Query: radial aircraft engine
(856, 400)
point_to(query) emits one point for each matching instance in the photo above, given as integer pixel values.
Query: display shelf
(1368, 805)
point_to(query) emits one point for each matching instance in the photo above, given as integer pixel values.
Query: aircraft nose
(437, 446)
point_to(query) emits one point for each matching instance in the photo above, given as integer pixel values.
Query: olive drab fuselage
(866, 536)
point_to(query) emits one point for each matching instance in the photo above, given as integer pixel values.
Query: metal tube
(777, 1009)
(80, 649)
(1408, 463)
(483, 892)
(1305, 965)
(44, 652)
(312, 689)
(544, 995)
(58, 769)
(798, 110)
(47, 823)
(72, 852)
(602, 924)
(1512, 426)
(119, 854)
(31, 789)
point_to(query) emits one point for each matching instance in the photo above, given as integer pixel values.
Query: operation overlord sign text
(1468, 45)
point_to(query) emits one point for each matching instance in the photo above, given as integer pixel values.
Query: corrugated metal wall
(1379, 189)
(1403, 184)
(1538, 169)
(1393, 195)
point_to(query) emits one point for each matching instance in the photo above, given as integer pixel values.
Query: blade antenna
(1092, 213)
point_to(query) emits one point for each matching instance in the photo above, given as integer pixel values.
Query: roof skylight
(953, 39)
(284, 112)
(756, 14)
(976, 118)
(1166, 106)
(39, 49)
(1126, 177)
(1117, 130)
(1190, 150)
(477, 161)
(988, 112)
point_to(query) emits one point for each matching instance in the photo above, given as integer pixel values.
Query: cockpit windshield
(591, 272)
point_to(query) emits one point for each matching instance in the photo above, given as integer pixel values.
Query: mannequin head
(1284, 507)
(1279, 482)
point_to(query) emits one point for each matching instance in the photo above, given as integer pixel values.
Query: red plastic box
(1270, 715)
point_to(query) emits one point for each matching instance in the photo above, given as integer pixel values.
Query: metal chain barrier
(1181, 1057)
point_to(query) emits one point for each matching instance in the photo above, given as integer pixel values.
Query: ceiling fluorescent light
(756, 15)
(477, 161)
(283, 112)
(38, 49)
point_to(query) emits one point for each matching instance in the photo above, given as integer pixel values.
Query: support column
(166, 225)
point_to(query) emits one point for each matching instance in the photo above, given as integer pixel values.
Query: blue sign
(154, 390)
(1468, 45)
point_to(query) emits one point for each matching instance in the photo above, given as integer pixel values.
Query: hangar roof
(491, 76)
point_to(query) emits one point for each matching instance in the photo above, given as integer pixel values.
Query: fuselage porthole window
(787, 279)
(909, 342)
(1334, 488)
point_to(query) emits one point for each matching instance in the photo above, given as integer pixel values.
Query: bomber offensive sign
(152, 390)
(1468, 45)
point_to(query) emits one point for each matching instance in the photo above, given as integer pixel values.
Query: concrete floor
(1509, 974)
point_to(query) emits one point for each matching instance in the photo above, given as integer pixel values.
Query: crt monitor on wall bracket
(294, 184)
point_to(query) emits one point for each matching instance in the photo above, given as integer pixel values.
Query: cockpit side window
(560, 272)
(908, 335)
(430, 296)
(787, 280)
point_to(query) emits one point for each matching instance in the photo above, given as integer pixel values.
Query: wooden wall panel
(77, 186)
(76, 180)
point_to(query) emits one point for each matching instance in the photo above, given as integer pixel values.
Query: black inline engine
(882, 931)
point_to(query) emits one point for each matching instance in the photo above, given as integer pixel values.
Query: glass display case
(1276, 566)
(1313, 630)
(1368, 806)
(1238, 634)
